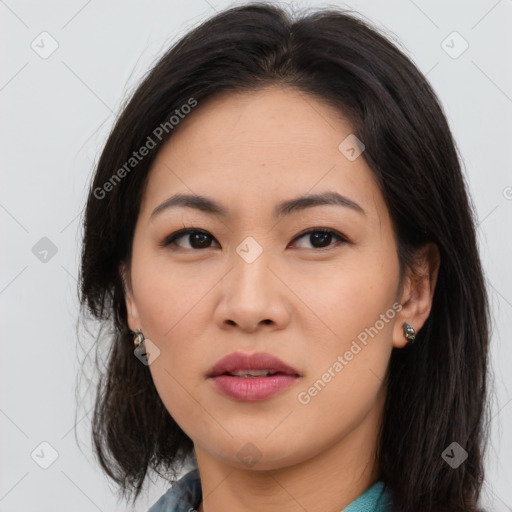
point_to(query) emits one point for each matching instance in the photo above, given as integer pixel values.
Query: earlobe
(418, 293)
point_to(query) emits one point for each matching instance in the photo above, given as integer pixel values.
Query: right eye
(197, 238)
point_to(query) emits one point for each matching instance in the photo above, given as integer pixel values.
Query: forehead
(279, 116)
(247, 147)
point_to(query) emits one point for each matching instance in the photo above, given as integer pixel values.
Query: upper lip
(258, 361)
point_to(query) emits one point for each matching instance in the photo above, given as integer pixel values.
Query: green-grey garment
(185, 496)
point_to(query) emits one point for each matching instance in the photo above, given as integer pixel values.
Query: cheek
(167, 293)
(348, 296)
(353, 304)
(346, 369)
(170, 303)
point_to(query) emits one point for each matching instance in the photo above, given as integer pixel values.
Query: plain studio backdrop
(66, 69)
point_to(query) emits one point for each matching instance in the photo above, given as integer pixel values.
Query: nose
(253, 297)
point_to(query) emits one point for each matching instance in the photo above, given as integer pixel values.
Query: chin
(260, 454)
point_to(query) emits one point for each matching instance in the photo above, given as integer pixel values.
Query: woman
(280, 235)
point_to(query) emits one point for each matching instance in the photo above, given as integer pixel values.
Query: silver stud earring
(138, 338)
(409, 332)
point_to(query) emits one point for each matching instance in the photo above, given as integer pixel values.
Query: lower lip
(252, 388)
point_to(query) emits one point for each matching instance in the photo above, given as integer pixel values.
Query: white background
(55, 116)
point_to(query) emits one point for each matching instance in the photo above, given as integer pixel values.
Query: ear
(131, 307)
(417, 292)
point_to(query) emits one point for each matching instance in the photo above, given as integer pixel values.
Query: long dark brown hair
(437, 387)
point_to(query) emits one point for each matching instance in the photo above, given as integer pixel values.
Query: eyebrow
(208, 205)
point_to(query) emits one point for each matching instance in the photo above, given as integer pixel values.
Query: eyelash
(171, 239)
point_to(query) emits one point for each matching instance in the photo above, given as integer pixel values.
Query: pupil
(197, 236)
(322, 236)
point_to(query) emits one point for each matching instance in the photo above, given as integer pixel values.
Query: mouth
(251, 377)
(256, 365)
(253, 374)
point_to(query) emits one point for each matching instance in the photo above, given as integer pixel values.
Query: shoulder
(183, 496)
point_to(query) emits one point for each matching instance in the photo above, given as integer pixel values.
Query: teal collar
(377, 498)
(186, 494)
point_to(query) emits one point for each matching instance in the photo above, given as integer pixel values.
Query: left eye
(320, 238)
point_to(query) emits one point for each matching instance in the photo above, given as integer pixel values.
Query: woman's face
(251, 281)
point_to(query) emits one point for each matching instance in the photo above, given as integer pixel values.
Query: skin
(297, 301)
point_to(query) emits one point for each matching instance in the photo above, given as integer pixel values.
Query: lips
(240, 364)
(252, 377)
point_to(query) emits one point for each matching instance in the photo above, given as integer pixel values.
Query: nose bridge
(250, 273)
(251, 293)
